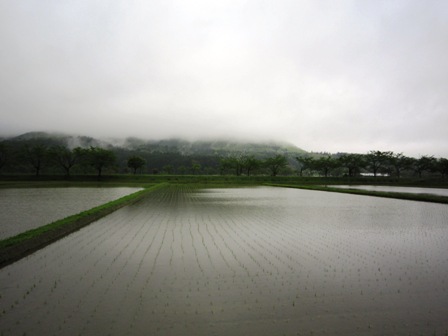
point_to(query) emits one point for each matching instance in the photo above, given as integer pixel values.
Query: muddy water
(256, 261)
(25, 209)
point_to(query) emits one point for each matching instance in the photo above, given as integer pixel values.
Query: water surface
(252, 261)
(412, 190)
(24, 209)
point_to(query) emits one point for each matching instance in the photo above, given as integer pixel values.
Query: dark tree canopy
(136, 162)
(99, 158)
(250, 163)
(276, 163)
(36, 155)
(442, 166)
(353, 162)
(65, 158)
(377, 159)
(196, 167)
(424, 163)
(399, 162)
(325, 164)
(3, 155)
(305, 163)
(232, 162)
(46, 154)
(168, 169)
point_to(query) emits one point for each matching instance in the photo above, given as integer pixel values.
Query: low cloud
(327, 76)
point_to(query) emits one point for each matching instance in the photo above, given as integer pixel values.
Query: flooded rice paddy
(253, 261)
(412, 190)
(25, 209)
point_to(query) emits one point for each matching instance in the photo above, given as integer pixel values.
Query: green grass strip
(23, 244)
(396, 195)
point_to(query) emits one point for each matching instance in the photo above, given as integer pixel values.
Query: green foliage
(36, 155)
(99, 158)
(50, 154)
(442, 166)
(377, 160)
(65, 158)
(168, 169)
(3, 154)
(305, 163)
(196, 167)
(275, 164)
(325, 164)
(424, 163)
(399, 162)
(233, 162)
(136, 162)
(250, 164)
(353, 162)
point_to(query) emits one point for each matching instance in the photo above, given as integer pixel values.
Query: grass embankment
(23, 244)
(396, 195)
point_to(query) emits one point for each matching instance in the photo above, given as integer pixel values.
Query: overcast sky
(336, 75)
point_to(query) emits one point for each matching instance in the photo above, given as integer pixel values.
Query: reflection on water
(250, 261)
(412, 190)
(25, 209)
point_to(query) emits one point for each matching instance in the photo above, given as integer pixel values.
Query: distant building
(371, 174)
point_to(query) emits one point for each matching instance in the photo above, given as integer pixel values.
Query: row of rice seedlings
(47, 261)
(126, 274)
(60, 266)
(168, 266)
(361, 258)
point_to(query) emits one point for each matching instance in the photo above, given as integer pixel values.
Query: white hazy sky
(325, 75)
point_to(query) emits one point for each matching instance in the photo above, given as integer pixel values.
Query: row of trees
(374, 162)
(39, 156)
(57, 158)
(249, 164)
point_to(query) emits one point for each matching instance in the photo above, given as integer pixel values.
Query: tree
(3, 154)
(136, 162)
(36, 156)
(99, 158)
(305, 162)
(325, 164)
(182, 170)
(442, 166)
(400, 162)
(65, 157)
(168, 169)
(276, 163)
(232, 162)
(196, 167)
(250, 163)
(353, 163)
(377, 159)
(424, 163)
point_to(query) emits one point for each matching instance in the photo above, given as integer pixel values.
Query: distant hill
(60, 139)
(212, 147)
(215, 147)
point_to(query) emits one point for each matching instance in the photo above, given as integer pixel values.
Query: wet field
(25, 209)
(412, 190)
(249, 261)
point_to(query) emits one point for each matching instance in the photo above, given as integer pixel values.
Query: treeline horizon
(53, 156)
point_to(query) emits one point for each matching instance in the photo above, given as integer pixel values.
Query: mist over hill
(212, 147)
(32, 151)
(43, 152)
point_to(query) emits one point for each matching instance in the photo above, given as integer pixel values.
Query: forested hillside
(26, 153)
(41, 153)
